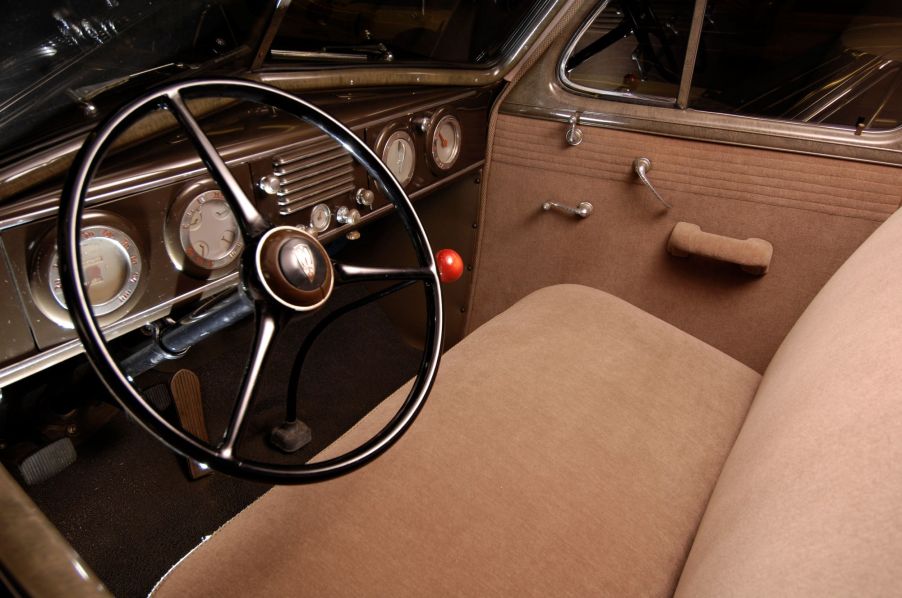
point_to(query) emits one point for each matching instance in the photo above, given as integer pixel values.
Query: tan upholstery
(568, 449)
(752, 255)
(810, 499)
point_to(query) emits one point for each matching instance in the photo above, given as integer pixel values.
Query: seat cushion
(810, 500)
(569, 448)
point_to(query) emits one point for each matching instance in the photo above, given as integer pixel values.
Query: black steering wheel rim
(87, 161)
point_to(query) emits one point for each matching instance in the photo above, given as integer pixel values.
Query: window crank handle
(642, 166)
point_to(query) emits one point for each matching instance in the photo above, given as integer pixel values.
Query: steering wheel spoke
(267, 329)
(347, 274)
(252, 222)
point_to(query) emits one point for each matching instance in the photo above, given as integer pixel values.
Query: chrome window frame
(681, 102)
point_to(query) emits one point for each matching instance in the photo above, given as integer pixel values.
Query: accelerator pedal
(185, 389)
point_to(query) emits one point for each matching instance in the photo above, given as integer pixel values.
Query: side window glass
(634, 49)
(817, 61)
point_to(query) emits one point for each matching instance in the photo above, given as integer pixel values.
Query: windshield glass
(61, 59)
(459, 32)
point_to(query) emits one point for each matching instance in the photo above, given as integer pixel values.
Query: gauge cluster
(156, 240)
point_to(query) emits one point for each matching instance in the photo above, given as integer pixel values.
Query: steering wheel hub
(294, 268)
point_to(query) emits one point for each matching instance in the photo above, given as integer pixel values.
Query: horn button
(294, 268)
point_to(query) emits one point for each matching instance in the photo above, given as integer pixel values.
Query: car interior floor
(127, 505)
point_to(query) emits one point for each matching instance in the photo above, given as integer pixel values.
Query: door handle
(583, 209)
(642, 166)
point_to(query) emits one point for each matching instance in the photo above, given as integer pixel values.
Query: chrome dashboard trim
(58, 354)
(45, 205)
(19, 176)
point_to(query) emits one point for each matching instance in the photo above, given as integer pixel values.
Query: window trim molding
(680, 104)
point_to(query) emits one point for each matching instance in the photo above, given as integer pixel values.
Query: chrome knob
(365, 197)
(574, 135)
(349, 216)
(270, 184)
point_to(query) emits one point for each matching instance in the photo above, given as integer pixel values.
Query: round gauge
(320, 218)
(111, 268)
(208, 231)
(399, 155)
(445, 142)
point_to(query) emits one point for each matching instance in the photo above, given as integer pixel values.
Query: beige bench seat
(572, 444)
(568, 448)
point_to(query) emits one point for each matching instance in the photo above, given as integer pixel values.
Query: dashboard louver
(316, 172)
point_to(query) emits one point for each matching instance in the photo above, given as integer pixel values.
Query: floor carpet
(126, 504)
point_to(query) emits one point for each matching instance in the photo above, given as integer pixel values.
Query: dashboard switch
(365, 197)
(347, 216)
(270, 184)
(450, 265)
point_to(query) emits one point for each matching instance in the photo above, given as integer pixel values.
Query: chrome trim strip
(19, 213)
(330, 186)
(308, 153)
(695, 36)
(275, 22)
(296, 205)
(58, 354)
(600, 93)
(817, 140)
(332, 167)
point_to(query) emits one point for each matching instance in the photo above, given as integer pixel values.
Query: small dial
(111, 269)
(208, 231)
(320, 218)
(445, 142)
(399, 155)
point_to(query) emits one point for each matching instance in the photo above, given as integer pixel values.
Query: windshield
(458, 32)
(61, 57)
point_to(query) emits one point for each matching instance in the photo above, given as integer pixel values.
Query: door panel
(814, 210)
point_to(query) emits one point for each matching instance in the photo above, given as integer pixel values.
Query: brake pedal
(185, 390)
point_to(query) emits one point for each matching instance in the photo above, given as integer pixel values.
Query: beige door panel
(814, 211)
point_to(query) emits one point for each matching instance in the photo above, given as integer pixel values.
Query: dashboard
(158, 234)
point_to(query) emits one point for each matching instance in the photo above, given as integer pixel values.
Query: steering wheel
(284, 271)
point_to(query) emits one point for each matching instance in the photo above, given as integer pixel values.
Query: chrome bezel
(390, 136)
(46, 284)
(435, 124)
(178, 243)
(320, 229)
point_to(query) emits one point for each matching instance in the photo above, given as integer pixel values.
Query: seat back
(810, 498)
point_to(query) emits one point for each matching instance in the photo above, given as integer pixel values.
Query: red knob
(450, 265)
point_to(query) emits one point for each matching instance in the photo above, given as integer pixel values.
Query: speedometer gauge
(208, 231)
(111, 268)
(399, 155)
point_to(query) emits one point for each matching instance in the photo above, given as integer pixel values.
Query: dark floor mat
(126, 504)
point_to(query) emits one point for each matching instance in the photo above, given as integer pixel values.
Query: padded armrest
(752, 255)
